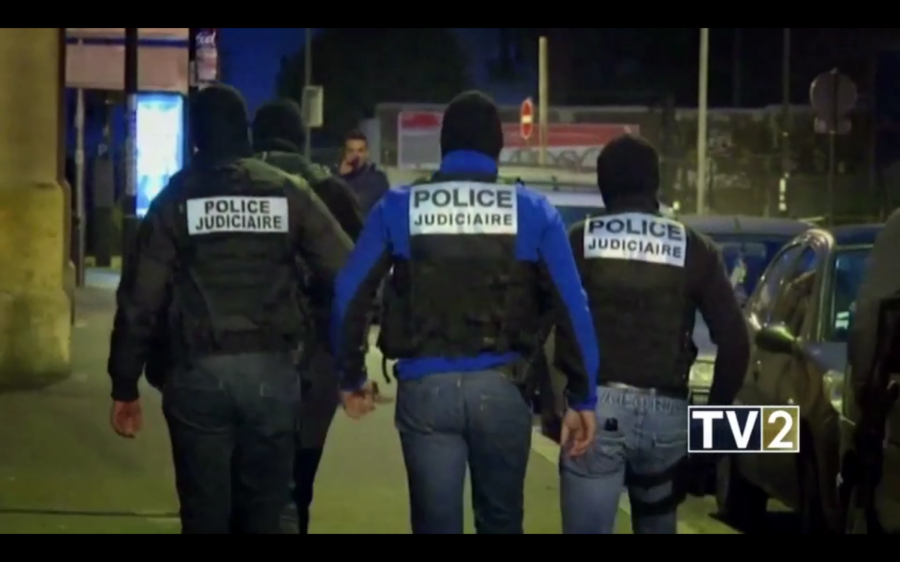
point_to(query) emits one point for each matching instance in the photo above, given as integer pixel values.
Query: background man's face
(356, 151)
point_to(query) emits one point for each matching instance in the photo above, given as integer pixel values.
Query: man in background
(368, 182)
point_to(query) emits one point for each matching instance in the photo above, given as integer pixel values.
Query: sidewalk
(62, 470)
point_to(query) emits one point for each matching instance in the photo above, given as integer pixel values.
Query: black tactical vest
(636, 284)
(462, 292)
(237, 289)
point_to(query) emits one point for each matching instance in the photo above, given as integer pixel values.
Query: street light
(702, 103)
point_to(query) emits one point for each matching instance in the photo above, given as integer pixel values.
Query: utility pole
(80, 199)
(307, 82)
(543, 99)
(785, 124)
(702, 109)
(737, 67)
(129, 202)
(193, 88)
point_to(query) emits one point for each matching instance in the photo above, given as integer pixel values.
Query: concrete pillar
(35, 329)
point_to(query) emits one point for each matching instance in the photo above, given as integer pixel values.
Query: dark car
(748, 245)
(799, 318)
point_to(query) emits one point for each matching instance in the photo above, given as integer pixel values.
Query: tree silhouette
(362, 67)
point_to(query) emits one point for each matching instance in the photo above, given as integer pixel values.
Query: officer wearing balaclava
(468, 255)
(278, 139)
(646, 276)
(223, 239)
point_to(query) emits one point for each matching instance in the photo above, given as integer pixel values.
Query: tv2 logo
(744, 429)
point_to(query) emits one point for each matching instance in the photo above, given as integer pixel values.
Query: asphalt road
(62, 470)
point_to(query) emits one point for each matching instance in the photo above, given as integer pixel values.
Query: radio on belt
(257, 215)
(463, 208)
(636, 237)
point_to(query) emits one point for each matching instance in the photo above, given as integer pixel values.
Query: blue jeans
(640, 432)
(450, 422)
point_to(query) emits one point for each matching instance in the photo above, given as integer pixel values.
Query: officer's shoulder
(698, 241)
(317, 172)
(174, 191)
(531, 196)
(260, 169)
(265, 173)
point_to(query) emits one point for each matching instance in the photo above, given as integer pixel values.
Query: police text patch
(237, 214)
(463, 208)
(636, 237)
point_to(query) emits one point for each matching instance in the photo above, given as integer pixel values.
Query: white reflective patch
(636, 237)
(463, 208)
(260, 215)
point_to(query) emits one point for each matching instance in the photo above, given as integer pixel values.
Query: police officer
(467, 256)
(645, 276)
(278, 138)
(224, 237)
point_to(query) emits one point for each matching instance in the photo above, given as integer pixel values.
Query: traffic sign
(833, 95)
(526, 119)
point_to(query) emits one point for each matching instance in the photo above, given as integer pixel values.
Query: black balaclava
(219, 122)
(278, 125)
(628, 173)
(472, 122)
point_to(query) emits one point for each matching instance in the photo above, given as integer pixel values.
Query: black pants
(232, 421)
(295, 519)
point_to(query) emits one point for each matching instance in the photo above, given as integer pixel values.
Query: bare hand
(348, 167)
(578, 432)
(360, 403)
(127, 418)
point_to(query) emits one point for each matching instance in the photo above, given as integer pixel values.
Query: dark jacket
(369, 184)
(316, 237)
(337, 195)
(320, 388)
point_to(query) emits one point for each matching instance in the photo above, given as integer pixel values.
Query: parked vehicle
(748, 245)
(799, 318)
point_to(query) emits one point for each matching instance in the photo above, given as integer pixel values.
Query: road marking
(548, 449)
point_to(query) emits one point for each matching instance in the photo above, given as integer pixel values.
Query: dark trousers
(231, 421)
(295, 519)
(452, 422)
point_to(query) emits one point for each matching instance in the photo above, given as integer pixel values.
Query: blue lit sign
(160, 144)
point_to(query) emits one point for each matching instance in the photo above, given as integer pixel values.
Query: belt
(661, 392)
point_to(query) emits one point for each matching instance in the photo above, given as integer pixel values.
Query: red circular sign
(526, 119)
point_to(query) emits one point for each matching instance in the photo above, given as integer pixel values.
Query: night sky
(658, 58)
(620, 60)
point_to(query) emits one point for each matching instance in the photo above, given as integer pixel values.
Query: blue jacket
(541, 237)
(369, 184)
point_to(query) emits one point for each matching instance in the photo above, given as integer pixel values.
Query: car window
(573, 214)
(796, 293)
(763, 302)
(849, 267)
(746, 257)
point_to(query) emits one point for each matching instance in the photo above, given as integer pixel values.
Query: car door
(760, 310)
(786, 295)
(786, 379)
